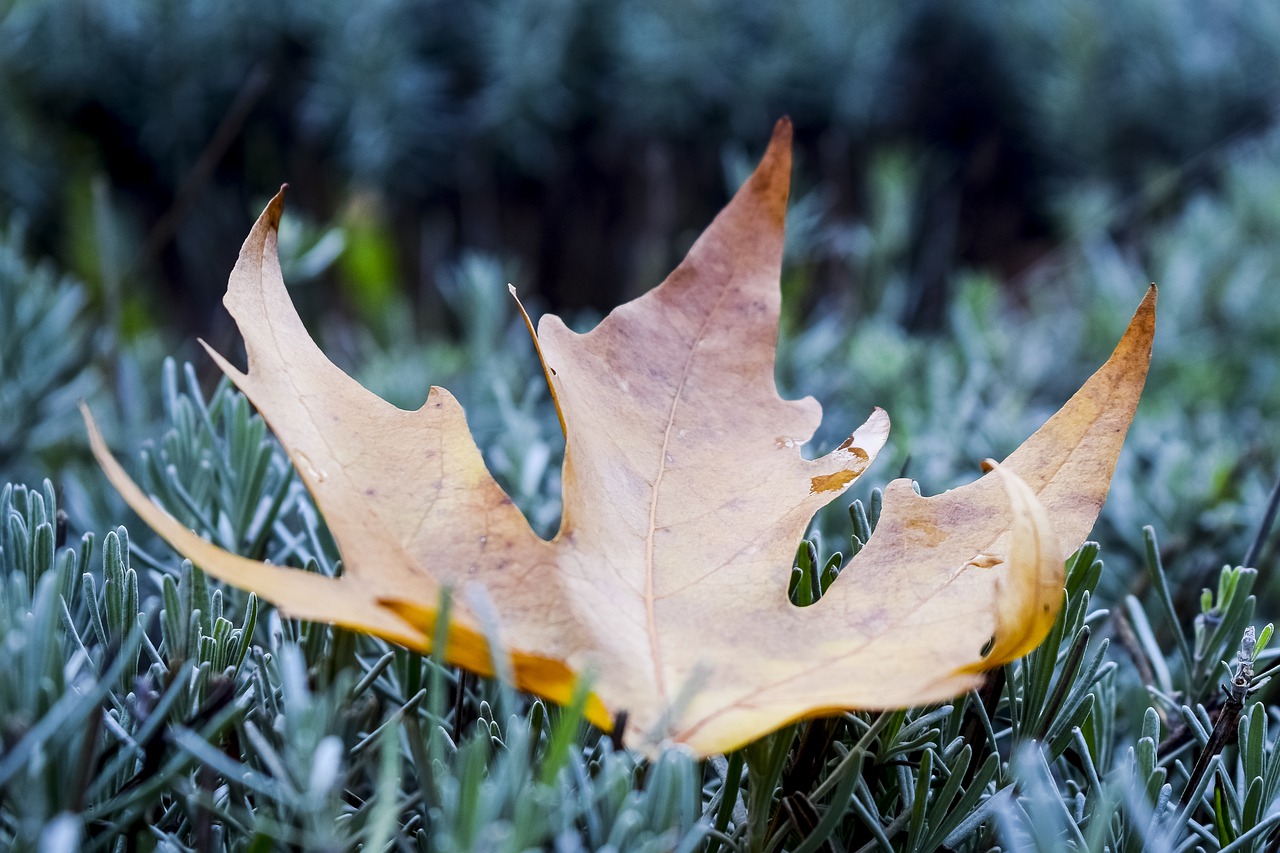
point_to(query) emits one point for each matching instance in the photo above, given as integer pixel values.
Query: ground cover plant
(981, 199)
(146, 707)
(199, 719)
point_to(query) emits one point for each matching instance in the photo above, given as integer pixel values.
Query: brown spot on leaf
(924, 532)
(831, 482)
(849, 446)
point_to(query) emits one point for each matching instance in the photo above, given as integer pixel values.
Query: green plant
(47, 345)
(142, 704)
(219, 724)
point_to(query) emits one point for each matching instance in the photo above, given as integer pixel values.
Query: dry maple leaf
(685, 495)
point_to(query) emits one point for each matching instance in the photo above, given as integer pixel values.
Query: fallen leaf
(685, 495)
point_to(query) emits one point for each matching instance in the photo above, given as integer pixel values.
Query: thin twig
(1264, 529)
(1236, 690)
(1129, 640)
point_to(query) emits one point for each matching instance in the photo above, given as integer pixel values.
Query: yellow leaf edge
(316, 597)
(1029, 591)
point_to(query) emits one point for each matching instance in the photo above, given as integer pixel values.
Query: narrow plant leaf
(685, 493)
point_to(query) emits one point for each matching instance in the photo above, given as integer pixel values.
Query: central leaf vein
(650, 596)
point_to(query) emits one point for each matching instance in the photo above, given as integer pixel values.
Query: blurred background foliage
(583, 138)
(982, 193)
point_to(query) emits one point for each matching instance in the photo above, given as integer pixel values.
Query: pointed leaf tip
(1069, 461)
(275, 209)
(772, 177)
